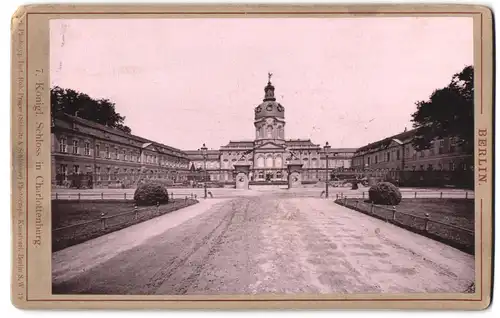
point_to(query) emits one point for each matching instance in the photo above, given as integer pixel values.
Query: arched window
(314, 163)
(269, 161)
(269, 131)
(260, 162)
(280, 131)
(278, 162)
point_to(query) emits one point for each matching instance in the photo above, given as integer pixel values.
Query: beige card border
(31, 155)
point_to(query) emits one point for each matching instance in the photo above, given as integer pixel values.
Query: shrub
(384, 193)
(354, 185)
(150, 194)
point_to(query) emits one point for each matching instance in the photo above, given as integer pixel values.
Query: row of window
(280, 133)
(411, 153)
(123, 155)
(430, 152)
(451, 167)
(63, 147)
(63, 170)
(209, 165)
(396, 155)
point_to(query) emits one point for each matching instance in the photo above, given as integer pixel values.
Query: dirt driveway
(261, 244)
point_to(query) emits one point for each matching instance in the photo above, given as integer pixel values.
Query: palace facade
(87, 154)
(397, 153)
(445, 163)
(100, 156)
(270, 152)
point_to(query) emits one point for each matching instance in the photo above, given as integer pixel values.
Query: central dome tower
(269, 117)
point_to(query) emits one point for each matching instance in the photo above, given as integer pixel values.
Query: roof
(384, 143)
(196, 152)
(300, 142)
(343, 150)
(239, 144)
(198, 155)
(118, 132)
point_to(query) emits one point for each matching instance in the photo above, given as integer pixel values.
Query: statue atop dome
(269, 89)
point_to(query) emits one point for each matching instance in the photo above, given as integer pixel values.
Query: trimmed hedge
(384, 193)
(150, 194)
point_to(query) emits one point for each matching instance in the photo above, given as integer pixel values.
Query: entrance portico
(267, 156)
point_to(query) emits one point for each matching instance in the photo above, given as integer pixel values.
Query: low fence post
(56, 195)
(103, 220)
(357, 201)
(393, 213)
(363, 195)
(135, 212)
(125, 196)
(427, 216)
(78, 196)
(102, 195)
(157, 207)
(345, 200)
(415, 194)
(371, 208)
(185, 200)
(441, 195)
(337, 196)
(171, 195)
(466, 194)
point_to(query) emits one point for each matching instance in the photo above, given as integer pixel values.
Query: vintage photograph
(262, 156)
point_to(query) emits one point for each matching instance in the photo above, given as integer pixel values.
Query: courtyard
(258, 242)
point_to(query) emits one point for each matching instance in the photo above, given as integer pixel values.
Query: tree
(101, 111)
(449, 112)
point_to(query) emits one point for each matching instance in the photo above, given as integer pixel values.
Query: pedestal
(241, 172)
(294, 175)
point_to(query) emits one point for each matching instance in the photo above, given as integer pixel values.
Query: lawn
(74, 222)
(458, 212)
(66, 213)
(411, 214)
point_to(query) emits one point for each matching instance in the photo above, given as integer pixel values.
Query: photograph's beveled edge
(257, 9)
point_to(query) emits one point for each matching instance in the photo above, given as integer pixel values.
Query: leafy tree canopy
(101, 111)
(449, 112)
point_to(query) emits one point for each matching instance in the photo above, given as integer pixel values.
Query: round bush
(150, 194)
(384, 193)
(355, 185)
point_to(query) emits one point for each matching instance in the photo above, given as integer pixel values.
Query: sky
(185, 82)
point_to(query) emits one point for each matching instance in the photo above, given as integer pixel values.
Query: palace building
(270, 152)
(445, 163)
(87, 154)
(397, 153)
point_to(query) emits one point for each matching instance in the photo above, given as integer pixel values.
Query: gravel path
(262, 244)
